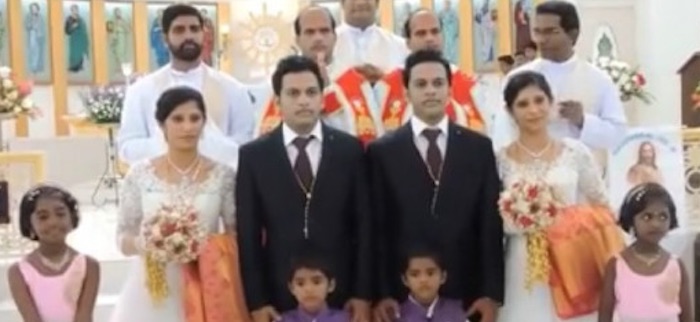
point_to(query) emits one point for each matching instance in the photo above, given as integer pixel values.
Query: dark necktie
(302, 165)
(433, 157)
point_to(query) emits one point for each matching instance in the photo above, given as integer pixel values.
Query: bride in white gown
(181, 173)
(565, 164)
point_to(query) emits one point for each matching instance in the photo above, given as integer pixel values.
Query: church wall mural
(99, 39)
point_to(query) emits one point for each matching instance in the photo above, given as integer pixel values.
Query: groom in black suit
(303, 183)
(436, 183)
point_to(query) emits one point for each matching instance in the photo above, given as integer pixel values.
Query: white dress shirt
(313, 149)
(604, 123)
(140, 136)
(373, 45)
(422, 142)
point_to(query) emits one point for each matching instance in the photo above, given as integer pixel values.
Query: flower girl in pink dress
(645, 283)
(53, 283)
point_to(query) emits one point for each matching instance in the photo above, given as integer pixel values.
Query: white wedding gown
(143, 193)
(575, 176)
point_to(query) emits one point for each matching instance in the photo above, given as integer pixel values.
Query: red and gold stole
(213, 290)
(394, 105)
(346, 95)
(462, 86)
(270, 118)
(460, 109)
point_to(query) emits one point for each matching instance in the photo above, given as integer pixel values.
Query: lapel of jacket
(326, 164)
(411, 158)
(282, 173)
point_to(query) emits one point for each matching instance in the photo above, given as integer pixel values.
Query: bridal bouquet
(14, 95)
(629, 81)
(530, 207)
(172, 235)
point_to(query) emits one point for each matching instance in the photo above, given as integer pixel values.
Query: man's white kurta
(140, 136)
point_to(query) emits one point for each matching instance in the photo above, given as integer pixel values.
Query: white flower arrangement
(630, 82)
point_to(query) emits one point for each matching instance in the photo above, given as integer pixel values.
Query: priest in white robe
(229, 108)
(363, 44)
(589, 106)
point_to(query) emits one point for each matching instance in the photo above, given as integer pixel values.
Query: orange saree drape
(581, 242)
(213, 290)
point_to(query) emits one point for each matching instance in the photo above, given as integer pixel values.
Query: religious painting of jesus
(402, 10)
(35, 25)
(120, 40)
(522, 12)
(448, 13)
(76, 27)
(210, 40)
(4, 36)
(485, 30)
(159, 54)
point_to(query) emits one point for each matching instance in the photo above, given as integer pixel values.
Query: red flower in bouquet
(530, 207)
(172, 235)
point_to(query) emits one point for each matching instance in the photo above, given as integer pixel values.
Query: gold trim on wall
(141, 34)
(59, 79)
(35, 159)
(223, 17)
(386, 14)
(466, 36)
(505, 28)
(99, 42)
(17, 55)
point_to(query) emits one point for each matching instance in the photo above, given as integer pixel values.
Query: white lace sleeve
(130, 214)
(590, 183)
(228, 205)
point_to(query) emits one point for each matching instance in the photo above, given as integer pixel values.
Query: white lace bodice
(143, 193)
(574, 174)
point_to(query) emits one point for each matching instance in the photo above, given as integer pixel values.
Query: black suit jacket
(463, 222)
(269, 199)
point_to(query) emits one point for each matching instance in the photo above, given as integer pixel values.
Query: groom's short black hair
(291, 65)
(425, 56)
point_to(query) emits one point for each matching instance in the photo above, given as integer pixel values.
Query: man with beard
(349, 101)
(229, 110)
(424, 31)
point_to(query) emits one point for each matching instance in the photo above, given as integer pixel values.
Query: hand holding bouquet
(531, 206)
(172, 235)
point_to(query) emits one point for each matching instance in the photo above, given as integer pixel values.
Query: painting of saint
(36, 38)
(485, 29)
(120, 43)
(76, 26)
(209, 43)
(402, 10)
(159, 54)
(449, 19)
(4, 36)
(523, 13)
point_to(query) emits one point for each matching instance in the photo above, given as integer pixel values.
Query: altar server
(589, 106)
(230, 121)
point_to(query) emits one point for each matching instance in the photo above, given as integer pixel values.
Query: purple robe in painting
(443, 310)
(326, 315)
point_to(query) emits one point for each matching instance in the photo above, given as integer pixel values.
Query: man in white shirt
(230, 111)
(588, 102)
(364, 45)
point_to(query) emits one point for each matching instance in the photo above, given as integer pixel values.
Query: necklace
(55, 265)
(532, 154)
(648, 260)
(187, 170)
